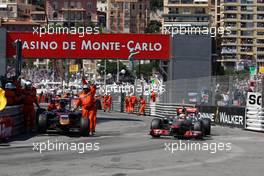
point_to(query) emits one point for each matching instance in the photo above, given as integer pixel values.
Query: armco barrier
(15, 113)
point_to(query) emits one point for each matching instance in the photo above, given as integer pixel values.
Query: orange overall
(88, 108)
(153, 96)
(28, 110)
(105, 102)
(133, 101)
(93, 110)
(143, 106)
(11, 97)
(109, 103)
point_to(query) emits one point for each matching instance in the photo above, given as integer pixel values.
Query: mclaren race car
(186, 124)
(62, 120)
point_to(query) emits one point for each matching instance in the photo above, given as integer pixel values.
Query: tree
(153, 27)
(111, 67)
(156, 5)
(146, 69)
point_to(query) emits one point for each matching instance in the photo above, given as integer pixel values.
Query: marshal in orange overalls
(29, 99)
(133, 102)
(153, 96)
(143, 106)
(105, 98)
(109, 102)
(94, 109)
(88, 107)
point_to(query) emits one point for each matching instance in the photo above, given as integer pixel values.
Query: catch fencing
(210, 91)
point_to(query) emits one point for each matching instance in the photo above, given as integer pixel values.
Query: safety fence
(11, 121)
(211, 91)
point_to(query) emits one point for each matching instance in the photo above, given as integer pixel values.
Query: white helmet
(10, 86)
(28, 84)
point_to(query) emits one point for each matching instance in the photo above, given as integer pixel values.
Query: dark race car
(185, 125)
(62, 120)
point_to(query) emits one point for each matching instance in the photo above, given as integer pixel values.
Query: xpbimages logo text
(51, 30)
(212, 147)
(195, 30)
(80, 147)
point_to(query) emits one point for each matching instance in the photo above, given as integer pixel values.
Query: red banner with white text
(90, 46)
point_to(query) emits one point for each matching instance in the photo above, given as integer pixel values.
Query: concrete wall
(2, 52)
(191, 57)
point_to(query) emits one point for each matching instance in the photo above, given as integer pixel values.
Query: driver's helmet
(184, 111)
(182, 116)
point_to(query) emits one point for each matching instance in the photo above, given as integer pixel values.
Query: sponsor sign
(73, 68)
(254, 99)
(254, 112)
(207, 112)
(90, 46)
(231, 116)
(226, 116)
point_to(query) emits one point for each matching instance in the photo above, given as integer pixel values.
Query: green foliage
(111, 67)
(156, 5)
(153, 27)
(240, 74)
(146, 69)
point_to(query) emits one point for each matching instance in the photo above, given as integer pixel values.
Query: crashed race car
(186, 124)
(62, 120)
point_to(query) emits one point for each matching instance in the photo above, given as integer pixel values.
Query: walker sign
(91, 46)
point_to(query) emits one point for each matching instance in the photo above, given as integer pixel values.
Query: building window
(89, 5)
(72, 4)
(79, 5)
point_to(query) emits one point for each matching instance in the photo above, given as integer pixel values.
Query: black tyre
(155, 124)
(42, 123)
(198, 126)
(84, 126)
(207, 126)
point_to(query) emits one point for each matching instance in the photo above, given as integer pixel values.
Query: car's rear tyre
(42, 123)
(155, 124)
(84, 126)
(198, 126)
(207, 126)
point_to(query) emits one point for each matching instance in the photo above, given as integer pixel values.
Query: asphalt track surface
(125, 148)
